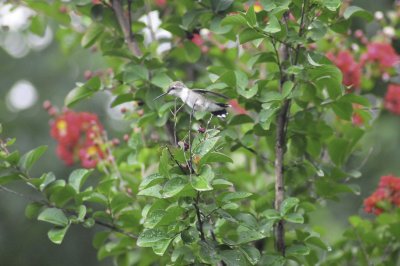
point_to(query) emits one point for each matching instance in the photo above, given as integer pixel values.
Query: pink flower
(392, 99)
(351, 70)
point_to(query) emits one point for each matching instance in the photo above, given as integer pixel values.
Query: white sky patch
(21, 96)
(153, 31)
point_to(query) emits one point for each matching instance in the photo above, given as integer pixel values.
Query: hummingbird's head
(175, 88)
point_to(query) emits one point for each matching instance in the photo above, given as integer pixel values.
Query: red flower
(161, 3)
(351, 70)
(196, 39)
(65, 153)
(383, 53)
(90, 156)
(77, 134)
(388, 191)
(66, 128)
(392, 99)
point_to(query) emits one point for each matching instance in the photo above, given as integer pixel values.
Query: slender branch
(115, 229)
(177, 163)
(48, 204)
(199, 220)
(125, 25)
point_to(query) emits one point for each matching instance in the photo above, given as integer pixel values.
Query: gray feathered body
(198, 102)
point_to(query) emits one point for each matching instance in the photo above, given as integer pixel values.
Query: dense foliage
(186, 187)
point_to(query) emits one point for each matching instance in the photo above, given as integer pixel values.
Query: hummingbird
(196, 99)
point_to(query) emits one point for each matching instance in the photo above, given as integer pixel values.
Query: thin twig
(126, 28)
(48, 204)
(199, 220)
(176, 161)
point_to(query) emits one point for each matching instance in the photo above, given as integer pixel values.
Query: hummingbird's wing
(210, 92)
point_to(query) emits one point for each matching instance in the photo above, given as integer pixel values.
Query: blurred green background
(52, 74)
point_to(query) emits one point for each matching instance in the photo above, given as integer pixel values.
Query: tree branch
(280, 143)
(125, 24)
(48, 204)
(199, 220)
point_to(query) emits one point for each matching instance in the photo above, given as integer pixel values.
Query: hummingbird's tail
(220, 113)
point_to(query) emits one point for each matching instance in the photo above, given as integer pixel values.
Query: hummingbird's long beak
(159, 96)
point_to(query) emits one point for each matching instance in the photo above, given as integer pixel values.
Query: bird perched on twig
(196, 99)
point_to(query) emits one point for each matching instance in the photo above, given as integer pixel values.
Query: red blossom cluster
(381, 53)
(351, 70)
(392, 99)
(79, 138)
(388, 191)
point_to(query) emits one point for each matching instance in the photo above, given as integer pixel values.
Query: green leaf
(32, 210)
(38, 25)
(273, 25)
(46, 179)
(174, 186)
(297, 250)
(151, 180)
(251, 16)
(338, 150)
(192, 51)
(316, 241)
(288, 204)
(236, 19)
(122, 98)
(233, 258)
(135, 72)
(296, 218)
(153, 191)
(357, 12)
(221, 5)
(56, 235)
(54, 216)
(154, 217)
(163, 166)
(83, 91)
(252, 254)
(332, 4)
(240, 119)
(150, 237)
(342, 109)
(200, 183)
(353, 98)
(271, 214)
(267, 116)
(9, 178)
(215, 157)
(161, 80)
(92, 34)
(327, 77)
(161, 246)
(249, 35)
(311, 61)
(248, 92)
(27, 161)
(206, 146)
(78, 177)
(235, 196)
